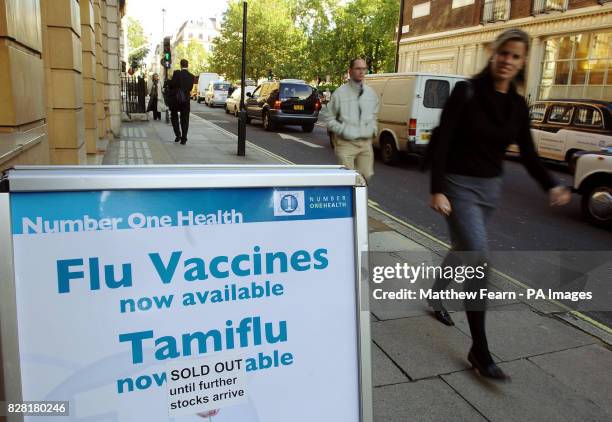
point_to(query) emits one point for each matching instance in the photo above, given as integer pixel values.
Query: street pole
(242, 116)
(165, 68)
(399, 34)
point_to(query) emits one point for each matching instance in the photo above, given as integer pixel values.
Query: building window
(495, 11)
(461, 3)
(545, 6)
(420, 10)
(577, 66)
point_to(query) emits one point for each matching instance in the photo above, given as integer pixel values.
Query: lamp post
(242, 116)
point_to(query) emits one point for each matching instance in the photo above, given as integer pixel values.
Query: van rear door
(432, 93)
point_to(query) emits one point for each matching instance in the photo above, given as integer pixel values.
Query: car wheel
(226, 110)
(199, 100)
(309, 127)
(597, 205)
(267, 123)
(235, 111)
(388, 152)
(331, 140)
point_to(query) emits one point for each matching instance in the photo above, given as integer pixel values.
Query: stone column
(23, 130)
(100, 86)
(114, 67)
(534, 69)
(460, 60)
(62, 56)
(88, 46)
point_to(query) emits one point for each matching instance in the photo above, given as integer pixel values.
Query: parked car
(593, 181)
(561, 128)
(284, 102)
(204, 79)
(410, 107)
(232, 105)
(216, 93)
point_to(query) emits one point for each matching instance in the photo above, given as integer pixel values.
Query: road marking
(374, 205)
(296, 139)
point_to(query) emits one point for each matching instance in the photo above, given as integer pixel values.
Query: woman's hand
(559, 195)
(440, 203)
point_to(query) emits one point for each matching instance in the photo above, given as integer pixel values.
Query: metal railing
(133, 93)
(545, 6)
(495, 11)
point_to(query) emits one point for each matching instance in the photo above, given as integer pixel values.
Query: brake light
(412, 127)
(318, 105)
(277, 105)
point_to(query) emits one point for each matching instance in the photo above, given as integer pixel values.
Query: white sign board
(219, 304)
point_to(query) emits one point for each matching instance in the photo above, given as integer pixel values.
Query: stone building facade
(59, 79)
(571, 41)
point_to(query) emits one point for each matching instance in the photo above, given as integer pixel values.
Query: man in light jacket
(351, 117)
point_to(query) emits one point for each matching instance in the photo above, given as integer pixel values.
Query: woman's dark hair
(512, 34)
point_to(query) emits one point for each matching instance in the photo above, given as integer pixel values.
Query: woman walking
(156, 100)
(480, 119)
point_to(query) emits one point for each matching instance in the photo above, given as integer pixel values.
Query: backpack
(434, 141)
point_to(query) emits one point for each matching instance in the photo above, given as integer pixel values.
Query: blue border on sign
(49, 210)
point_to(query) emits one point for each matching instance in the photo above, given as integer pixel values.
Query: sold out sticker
(204, 386)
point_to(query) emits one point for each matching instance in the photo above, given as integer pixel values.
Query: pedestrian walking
(479, 120)
(181, 85)
(156, 101)
(351, 118)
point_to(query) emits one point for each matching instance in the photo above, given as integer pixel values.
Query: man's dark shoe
(177, 139)
(184, 141)
(488, 370)
(440, 312)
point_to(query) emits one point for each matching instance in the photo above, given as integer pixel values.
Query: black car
(284, 102)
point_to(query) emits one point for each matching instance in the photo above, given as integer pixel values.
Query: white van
(203, 81)
(410, 107)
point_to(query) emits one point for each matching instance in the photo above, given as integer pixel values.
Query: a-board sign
(186, 293)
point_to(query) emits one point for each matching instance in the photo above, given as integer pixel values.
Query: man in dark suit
(182, 82)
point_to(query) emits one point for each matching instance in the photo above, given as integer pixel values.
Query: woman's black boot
(440, 312)
(489, 369)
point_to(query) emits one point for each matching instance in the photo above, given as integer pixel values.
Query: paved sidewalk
(559, 372)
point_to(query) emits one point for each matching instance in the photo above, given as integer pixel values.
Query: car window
(587, 116)
(297, 91)
(560, 114)
(536, 112)
(221, 87)
(436, 93)
(257, 92)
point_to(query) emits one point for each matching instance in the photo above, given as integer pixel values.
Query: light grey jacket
(352, 116)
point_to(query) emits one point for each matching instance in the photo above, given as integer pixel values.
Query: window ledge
(14, 144)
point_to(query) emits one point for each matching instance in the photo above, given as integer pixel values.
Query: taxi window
(560, 114)
(536, 112)
(587, 116)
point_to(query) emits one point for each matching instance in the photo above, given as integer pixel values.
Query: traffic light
(270, 75)
(167, 56)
